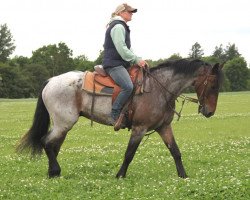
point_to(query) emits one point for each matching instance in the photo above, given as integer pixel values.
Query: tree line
(22, 77)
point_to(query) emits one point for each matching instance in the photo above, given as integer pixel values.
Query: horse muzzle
(205, 111)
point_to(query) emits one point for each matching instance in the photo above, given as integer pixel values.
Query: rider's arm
(118, 36)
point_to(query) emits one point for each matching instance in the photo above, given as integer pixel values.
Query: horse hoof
(117, 127)
(54, 174)
(184, 176)
(118, 176)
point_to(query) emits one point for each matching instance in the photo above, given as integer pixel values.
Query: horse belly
(101, 108)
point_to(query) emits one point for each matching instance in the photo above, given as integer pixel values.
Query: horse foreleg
(135, 139)
(167, 136)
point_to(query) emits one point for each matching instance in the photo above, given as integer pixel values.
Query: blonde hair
(118, 9)
(113, 14)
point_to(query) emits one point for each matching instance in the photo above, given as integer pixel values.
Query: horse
(63, 101)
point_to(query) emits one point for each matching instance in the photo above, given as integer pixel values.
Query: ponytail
(113, 14)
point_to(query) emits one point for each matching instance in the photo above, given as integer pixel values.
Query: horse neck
(174, 83)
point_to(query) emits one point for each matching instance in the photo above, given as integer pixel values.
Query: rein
(185, 98)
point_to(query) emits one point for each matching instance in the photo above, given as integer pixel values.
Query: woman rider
(118, 56)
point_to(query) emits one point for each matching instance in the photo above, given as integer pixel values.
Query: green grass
(215, 152)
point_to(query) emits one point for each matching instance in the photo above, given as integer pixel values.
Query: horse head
(207, 85)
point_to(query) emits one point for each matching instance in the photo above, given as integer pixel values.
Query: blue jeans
(121, 77)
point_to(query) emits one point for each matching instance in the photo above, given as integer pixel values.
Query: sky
(159, 29)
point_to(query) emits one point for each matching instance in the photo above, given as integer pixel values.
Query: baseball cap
(125, 7)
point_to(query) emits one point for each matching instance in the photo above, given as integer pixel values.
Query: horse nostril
(210, 114)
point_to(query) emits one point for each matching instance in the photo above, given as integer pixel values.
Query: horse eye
(213, 87)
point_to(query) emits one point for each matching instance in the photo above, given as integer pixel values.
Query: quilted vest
(111, 57)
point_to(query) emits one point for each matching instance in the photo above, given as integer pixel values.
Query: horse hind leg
(52, 144)
(167, 136)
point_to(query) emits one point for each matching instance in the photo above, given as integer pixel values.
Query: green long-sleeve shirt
(118, 37)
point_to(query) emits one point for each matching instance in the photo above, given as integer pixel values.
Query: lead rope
(147, 135)
(179, 113)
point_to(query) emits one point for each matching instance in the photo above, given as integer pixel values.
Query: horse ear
(217, 67)
(222, 65)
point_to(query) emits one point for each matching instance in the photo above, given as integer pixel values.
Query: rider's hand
(142, 63)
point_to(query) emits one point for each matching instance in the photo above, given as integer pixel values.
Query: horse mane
(181, 66)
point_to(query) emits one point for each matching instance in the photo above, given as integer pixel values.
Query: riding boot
(114, 116)
(117, 120)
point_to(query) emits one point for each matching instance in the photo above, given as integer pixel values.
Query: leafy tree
(175, 56)
(14, 83)
(57, 58)
(248, 84)
(153, 63)
(219, 53)
(226, 85)
(231, 52)
(1, 82)
(237, 73)
(211, 59)
(19, 61)
(99, 59)
(6, 43)
(83, 64)
(248, 79)
(35, 75)
(196, 51)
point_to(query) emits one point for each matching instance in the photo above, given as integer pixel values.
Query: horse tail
(32, 140)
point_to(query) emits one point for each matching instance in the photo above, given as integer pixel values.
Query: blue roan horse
(63, 101)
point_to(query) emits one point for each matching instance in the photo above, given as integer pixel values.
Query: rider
(118, 56)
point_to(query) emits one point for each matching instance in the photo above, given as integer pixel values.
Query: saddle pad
(90, 85)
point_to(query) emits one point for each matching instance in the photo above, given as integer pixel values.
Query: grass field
(215, 152)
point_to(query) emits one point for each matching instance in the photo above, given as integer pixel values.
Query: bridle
(202, 95)
(182, 96)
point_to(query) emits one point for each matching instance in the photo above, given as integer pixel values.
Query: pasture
(215, 153)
